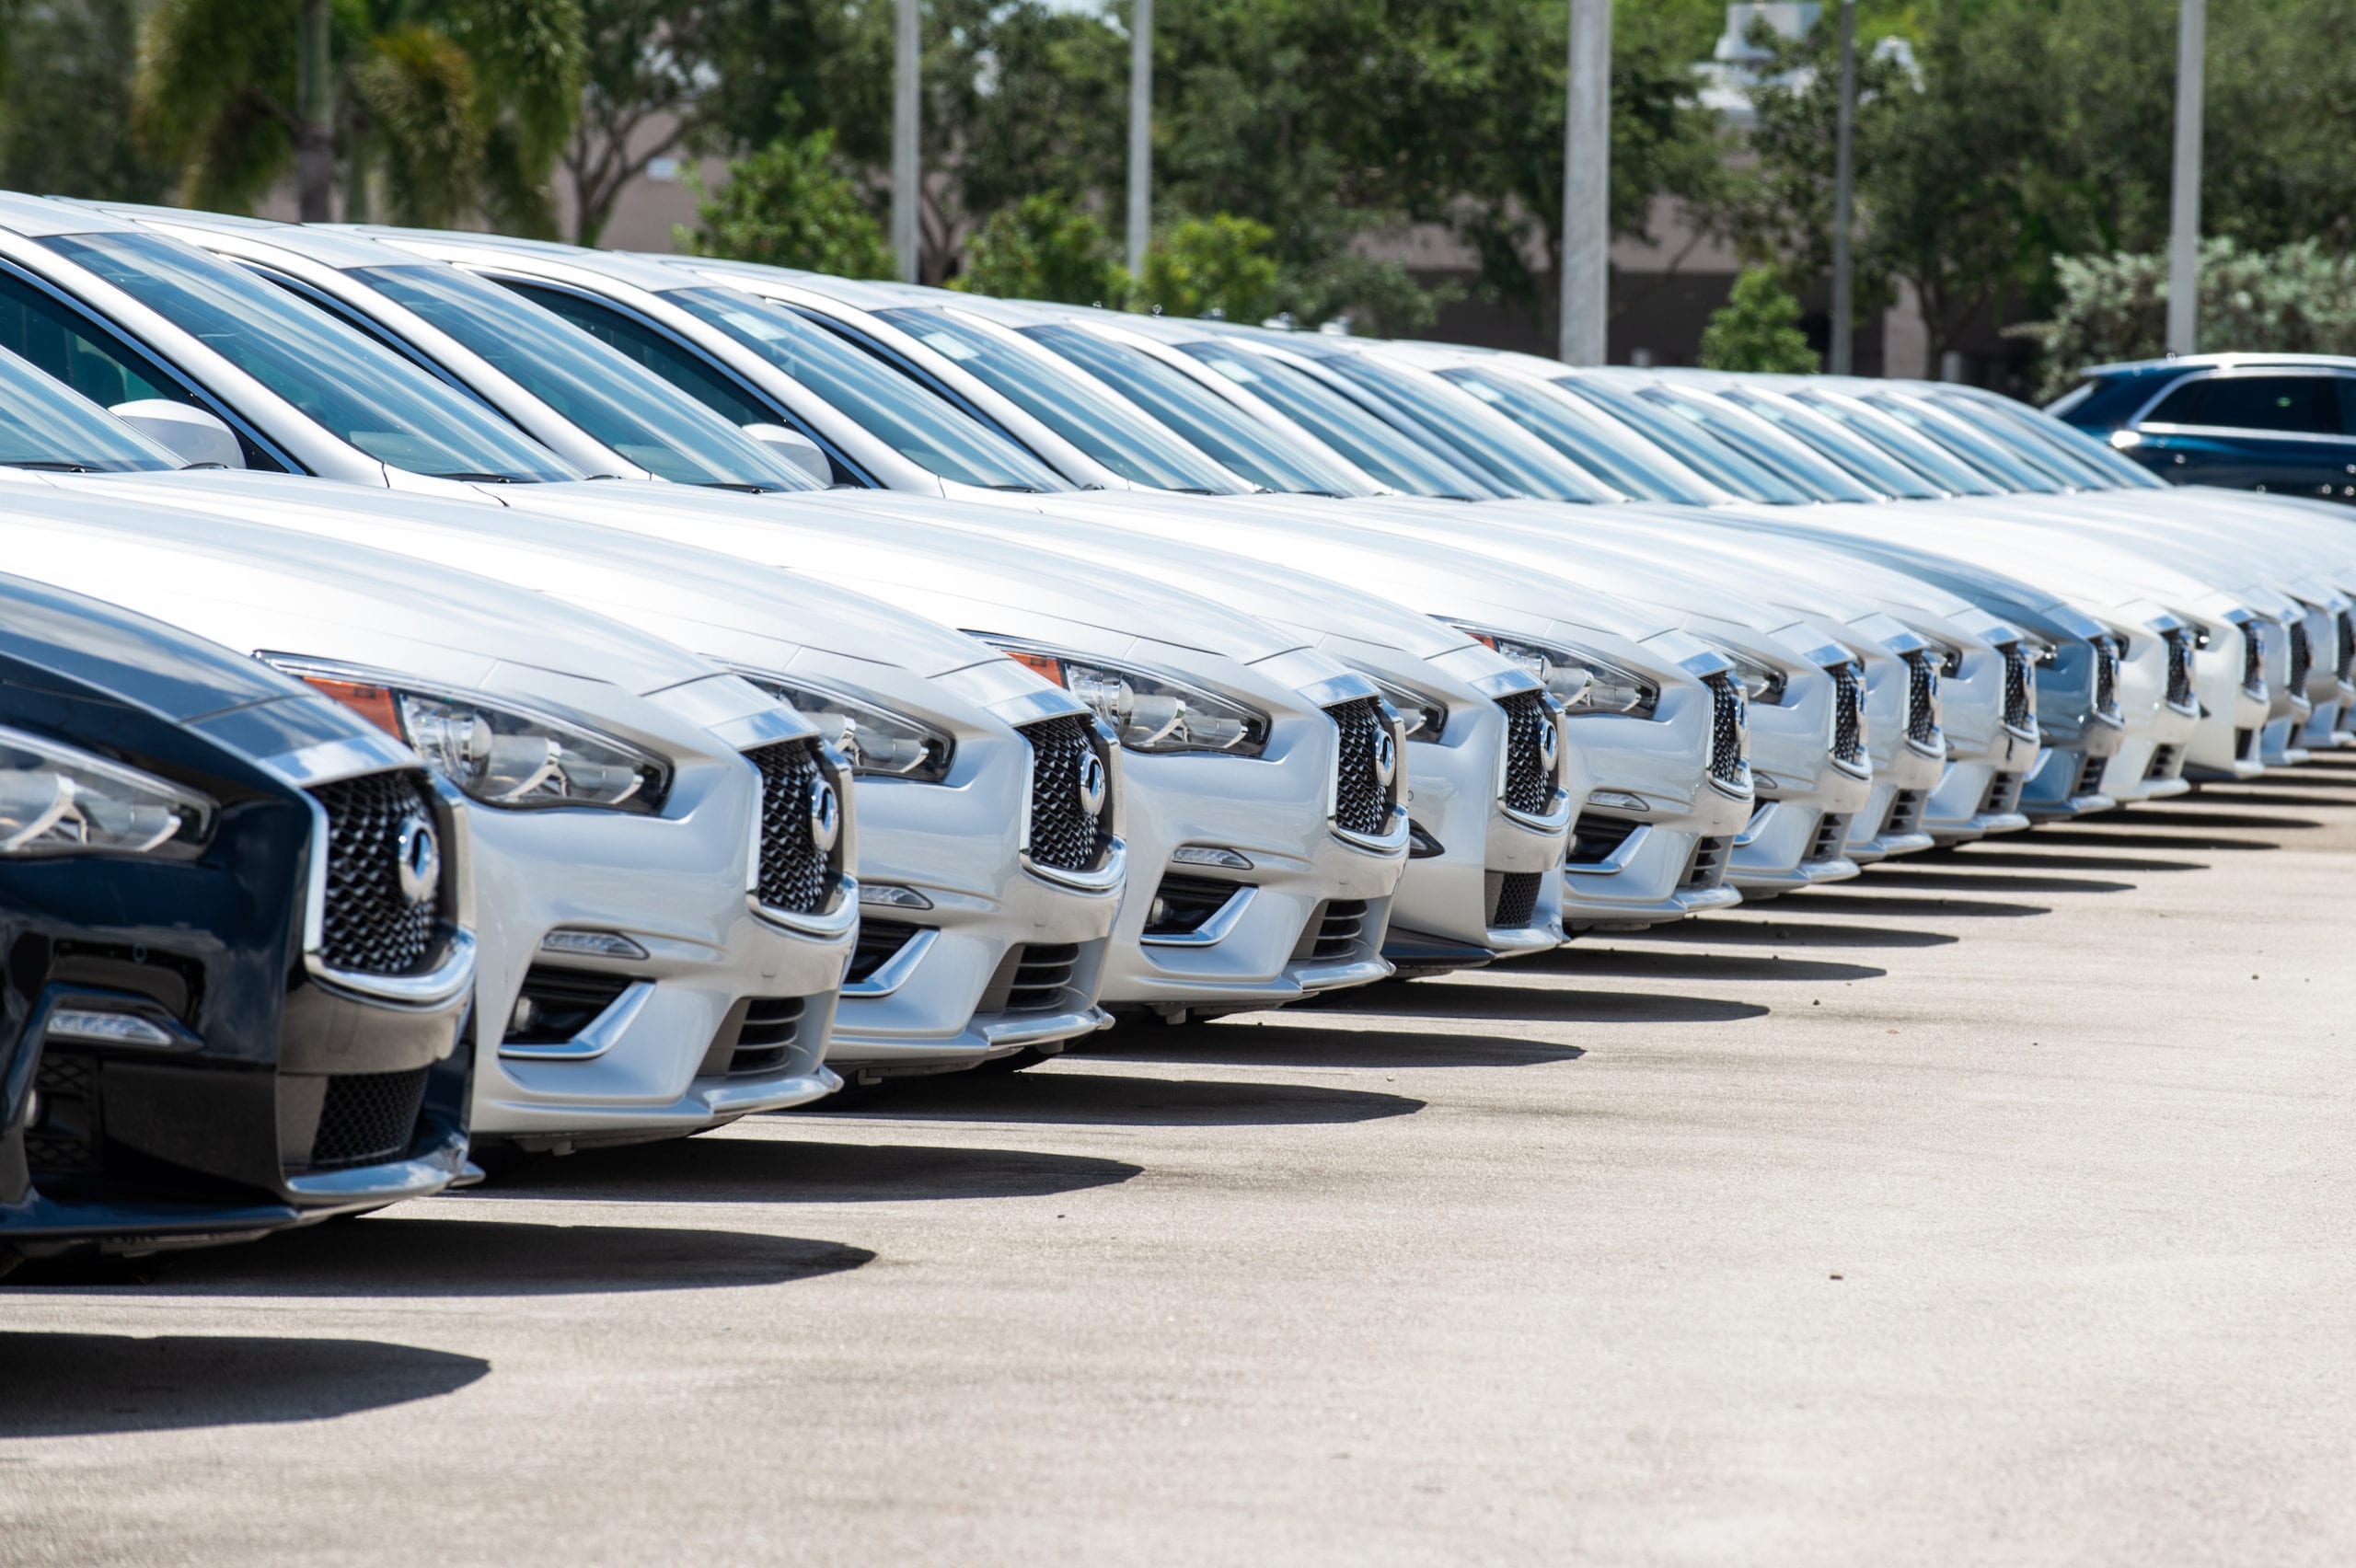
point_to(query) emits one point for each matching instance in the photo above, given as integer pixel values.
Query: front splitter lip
(2076, 806)
(1807, 874)
(1874, 850)
(702, 1107)
(1986, 824)
(978, 1042)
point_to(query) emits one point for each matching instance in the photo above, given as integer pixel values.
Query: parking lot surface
(1996, 1208)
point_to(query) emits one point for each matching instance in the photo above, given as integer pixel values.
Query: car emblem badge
(1094, 785)
(826, 817)
(1386, 758)
(419, 859)
(1550, 745)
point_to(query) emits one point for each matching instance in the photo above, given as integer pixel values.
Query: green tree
(65, 102)
(790, 204)
(1043, 247)
(1758, 330)
(1218, 266)
(652, 70)
(452, 105)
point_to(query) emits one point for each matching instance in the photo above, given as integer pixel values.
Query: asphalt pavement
(1993, 1209)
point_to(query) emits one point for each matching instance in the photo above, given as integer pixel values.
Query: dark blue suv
(2280, 422)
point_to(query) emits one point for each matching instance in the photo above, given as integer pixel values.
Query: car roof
(2223, 362)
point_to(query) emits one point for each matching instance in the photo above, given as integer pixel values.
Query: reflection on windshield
(1867, 462)
(918, 424)
(46, 425)
(1705, 453)
(623, 407)
(1494, 446)
(1762, 444)
(1397, 460)
(1611, 454)
(357, 391)
(1952, 473)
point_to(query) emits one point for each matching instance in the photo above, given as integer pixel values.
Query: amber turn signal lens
(372, 703)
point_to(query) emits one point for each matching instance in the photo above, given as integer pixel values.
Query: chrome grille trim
(1729, 735)
(2106, 681)
(2179, 645)
(1923, 703)
(1528, 785)
(2253, 661)
(794, 875)
(1365, 809)
(2020, 690)
(2303, 657)
(1848, 716)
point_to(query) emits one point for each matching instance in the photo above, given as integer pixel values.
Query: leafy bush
(1200, 265)
(790, 205)
(1758, 329)
(2300, 299)
(1044, 247)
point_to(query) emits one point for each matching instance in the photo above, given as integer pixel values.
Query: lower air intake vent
(1338, 928)
(1067, 831)
(877, 942)
(557, 1004)
(1532, 743)
(772, 1025)
(1041, 975)
(1366, 768)
(70, 1138)
(1905, 813)
(2003, 794)
(797, 873)
(1597, 838)
(368, 1118)
(2165, 763)
(1183, 905)
(1708, 867)
(1517, 901)
(1831, 833)
(2020, 711)
(2090, 775)
(371, 927)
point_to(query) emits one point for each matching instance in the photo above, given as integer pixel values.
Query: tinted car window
(1919, 451)
(681, 368)
(2295, 405)
(1705, 453)
(1498, 446)
(1613, 454)
(1867, 461)
(42, 426)
(353, 388)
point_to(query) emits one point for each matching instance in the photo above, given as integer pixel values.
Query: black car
(2284, 423)
(232, 926)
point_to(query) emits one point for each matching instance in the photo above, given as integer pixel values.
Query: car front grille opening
(2245, 744)
(67, 1136)
(879, 942)
(797, 876)
(2090, 776)
(2303, 658)
(1529, 778)
(1707, 869)
(1041, 975)
(1361, 796)
(1729, 749)
(2019, 710)
(554, 1005)
(1848, 715)
(771, 1028)
(1516, 903)
(1831, 833)
(2180, 669)
(368, 1118)
(2166, 760)
(370, 925)
(2003, 794)
(1064, 833)
(2253, 661)
(1183, 905)
(2343, 665)
(2106, 678)
(1905, 813)
(1596, 838)
(1335, 934)
(1922, 699)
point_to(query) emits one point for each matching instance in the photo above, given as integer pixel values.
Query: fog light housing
(591, 944)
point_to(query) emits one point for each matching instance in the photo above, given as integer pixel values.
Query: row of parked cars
(464, 698)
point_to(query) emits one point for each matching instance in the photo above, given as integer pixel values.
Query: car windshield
(357, 391)
(1498, 446)
(1762, 443)
(44, 424)
(2109, 467)
(1989, 457)
(1952, 473)
(1033, 381)
(1689, 443)
(1861, 457)
(1196, 413)
(919, 425)
(625, 408)
(1612, 453)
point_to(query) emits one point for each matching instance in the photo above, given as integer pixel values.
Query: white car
(659, 849)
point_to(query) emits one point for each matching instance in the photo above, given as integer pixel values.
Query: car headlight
(495, 752)
(1761, 681)
(1146, 710)
(60, 800)
(1421, 715)
(879, 740)
(1578, 680)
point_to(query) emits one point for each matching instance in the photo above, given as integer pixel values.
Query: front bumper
(1488, 891)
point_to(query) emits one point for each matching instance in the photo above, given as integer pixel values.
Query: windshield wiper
(1018, 489)
(50, 465)
(484, 478)
(740, 486)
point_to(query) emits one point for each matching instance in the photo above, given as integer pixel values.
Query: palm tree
(440, 107)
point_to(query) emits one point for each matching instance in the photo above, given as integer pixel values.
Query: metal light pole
(907, 194)
(1586, 187)
(315, 115)
(1843, 183)
(1140, 133)
(2184, 205)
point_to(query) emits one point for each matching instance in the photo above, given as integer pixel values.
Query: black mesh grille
(368, 1118)
(796, 875)
(2019, 712)
(1730, 763)
(1361, 798)
(2180, 669)
(1848, 715)
(1041, 977)
(2253, 661)
(1529, 777)
(2343, 662)
(1517, 900)
(1922, 699)
(2303, 657)
(2106, 678)
(69, 1137)
(371, 927)
(1064, 833)
(1339, 927)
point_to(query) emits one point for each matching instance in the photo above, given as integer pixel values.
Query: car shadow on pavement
(2217, 819)
(85, 1385)
(773, 1169)
(1855, 898)
(2029, 859)
(2212, 807)
(1579, 959)
(1940, 878)
(1298, 1045)
(403, 1256)
(1095, 1099)
(1767, 926)
(1551, 1004)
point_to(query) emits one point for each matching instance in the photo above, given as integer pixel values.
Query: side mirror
(191, 434)
(795, 448)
